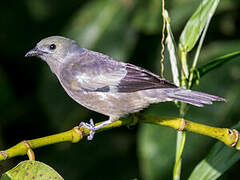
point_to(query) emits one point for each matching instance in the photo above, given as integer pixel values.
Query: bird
(106, 85)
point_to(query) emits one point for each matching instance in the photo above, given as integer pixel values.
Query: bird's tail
(193, 97)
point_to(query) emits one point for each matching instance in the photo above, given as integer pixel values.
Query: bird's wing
(141, 79)
(100, 73)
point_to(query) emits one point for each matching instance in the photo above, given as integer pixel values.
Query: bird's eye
(52, 46)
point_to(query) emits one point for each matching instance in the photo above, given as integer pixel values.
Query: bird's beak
(34, 52)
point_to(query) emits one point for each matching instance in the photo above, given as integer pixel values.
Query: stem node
(182, 124)
(77, 134)
(4, 154)
(236, 136)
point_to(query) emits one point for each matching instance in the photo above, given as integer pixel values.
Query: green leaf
(196, 24)
(29, 170)
(199, 72)
(171, 45)
(220, 159)
(181, 138)
(195, 60)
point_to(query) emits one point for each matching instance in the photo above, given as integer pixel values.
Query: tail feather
(193, 97)
(201, 99)
(189, 101)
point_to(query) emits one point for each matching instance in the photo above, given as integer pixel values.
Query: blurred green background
(33, 104)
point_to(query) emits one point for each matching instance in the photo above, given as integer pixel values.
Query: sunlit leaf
(29, 170)
(196, 23)
(171, 50)
(220, 159)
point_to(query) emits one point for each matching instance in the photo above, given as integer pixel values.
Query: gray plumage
(107, 86)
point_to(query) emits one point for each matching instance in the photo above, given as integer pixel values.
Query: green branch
(228, 136)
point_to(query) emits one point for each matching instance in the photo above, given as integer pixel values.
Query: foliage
(33, 104)
(29, 170)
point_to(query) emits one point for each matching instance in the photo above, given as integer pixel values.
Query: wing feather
(141, 79)
(100, 73)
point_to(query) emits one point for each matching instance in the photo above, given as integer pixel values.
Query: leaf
(171, 50)
(218, 62)
(220, 159)
(29, 170)
(195, 60)
(196, 24)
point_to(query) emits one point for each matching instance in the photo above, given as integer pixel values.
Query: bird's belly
(111, 104)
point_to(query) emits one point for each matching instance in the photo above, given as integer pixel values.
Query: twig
(163, 39)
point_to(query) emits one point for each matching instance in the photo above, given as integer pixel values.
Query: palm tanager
(102, 84)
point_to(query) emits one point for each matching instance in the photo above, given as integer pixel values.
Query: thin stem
(181, 137)
(185, 73)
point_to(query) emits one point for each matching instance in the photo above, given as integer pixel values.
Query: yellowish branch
(228, 136)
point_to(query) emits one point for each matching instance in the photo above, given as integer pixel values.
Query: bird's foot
(89, 126)
(94, 128)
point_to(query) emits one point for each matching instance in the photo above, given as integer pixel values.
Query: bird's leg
(89, 126)
(94, 128)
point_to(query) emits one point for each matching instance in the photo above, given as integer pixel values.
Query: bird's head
(54, 50)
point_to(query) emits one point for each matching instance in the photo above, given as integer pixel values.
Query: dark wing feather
(138, 79)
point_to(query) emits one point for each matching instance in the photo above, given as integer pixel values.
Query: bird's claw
(89, 126)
